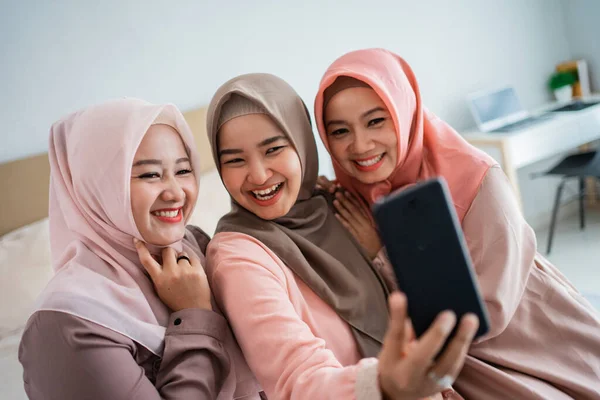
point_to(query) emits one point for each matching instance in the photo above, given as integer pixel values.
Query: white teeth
(168, 214)
(267, 194)
(370, 162)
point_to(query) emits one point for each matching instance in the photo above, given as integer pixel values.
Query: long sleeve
(543, 334)
(67, 357)
(502, 246)
(288, 359)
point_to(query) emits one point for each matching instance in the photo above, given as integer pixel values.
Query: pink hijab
(427, 146)
(98, 276)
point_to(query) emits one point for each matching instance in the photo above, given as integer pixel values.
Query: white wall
(60, 56)
(582, 18)
(582, 30)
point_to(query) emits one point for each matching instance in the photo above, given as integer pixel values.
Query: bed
(24, 242)
(25, 265)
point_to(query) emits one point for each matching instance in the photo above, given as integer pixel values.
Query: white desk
(566, 131)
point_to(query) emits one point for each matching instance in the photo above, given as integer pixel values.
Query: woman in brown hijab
(307, 306)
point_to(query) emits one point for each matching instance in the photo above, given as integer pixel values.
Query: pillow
(213, 202)
(25, 269)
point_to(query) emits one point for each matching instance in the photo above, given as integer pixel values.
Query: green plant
(560, 79)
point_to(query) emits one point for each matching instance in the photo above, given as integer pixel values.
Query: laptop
(499, 110)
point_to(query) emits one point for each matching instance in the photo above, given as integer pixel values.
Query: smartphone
(427, 249)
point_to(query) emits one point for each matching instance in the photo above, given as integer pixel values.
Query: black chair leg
(582, 202)
(555, 214)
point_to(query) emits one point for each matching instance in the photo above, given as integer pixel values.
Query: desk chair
(580, 166)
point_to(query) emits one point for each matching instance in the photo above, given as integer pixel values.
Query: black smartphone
(426, 246)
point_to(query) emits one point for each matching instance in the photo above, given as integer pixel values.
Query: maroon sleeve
(67, 357)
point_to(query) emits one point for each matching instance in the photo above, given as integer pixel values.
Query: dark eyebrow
(374, 110)
(158, 162)
(272, 140)
(364, 115)
(265, 142)
(147, 162)
(335, 122)
(229, 151)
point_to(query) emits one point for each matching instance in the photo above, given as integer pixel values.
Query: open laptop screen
(497, 105)
(497, 108)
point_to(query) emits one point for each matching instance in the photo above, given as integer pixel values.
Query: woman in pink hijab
(122, 188)
(544, 340)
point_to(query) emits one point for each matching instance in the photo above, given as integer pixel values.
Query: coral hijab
(427, 146)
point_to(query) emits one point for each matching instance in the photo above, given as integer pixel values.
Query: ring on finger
(445, 381)
(182, 257)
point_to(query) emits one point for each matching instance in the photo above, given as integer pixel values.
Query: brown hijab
(309, 239)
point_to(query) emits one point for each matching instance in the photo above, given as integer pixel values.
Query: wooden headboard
(24, 183)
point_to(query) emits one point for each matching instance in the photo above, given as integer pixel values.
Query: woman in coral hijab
(123, 185)
(544, 339)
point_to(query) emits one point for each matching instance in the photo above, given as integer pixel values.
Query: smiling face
(361, 134)
(163, 186)
(259, 166)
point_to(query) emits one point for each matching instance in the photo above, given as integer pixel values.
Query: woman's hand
(414, 374)
(325, 184)
(357, 222)
(179, 283)
(352, 216)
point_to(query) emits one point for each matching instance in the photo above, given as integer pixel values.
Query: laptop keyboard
(524, 123)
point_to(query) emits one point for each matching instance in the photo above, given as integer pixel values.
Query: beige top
(67, 357)
(544, 339)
